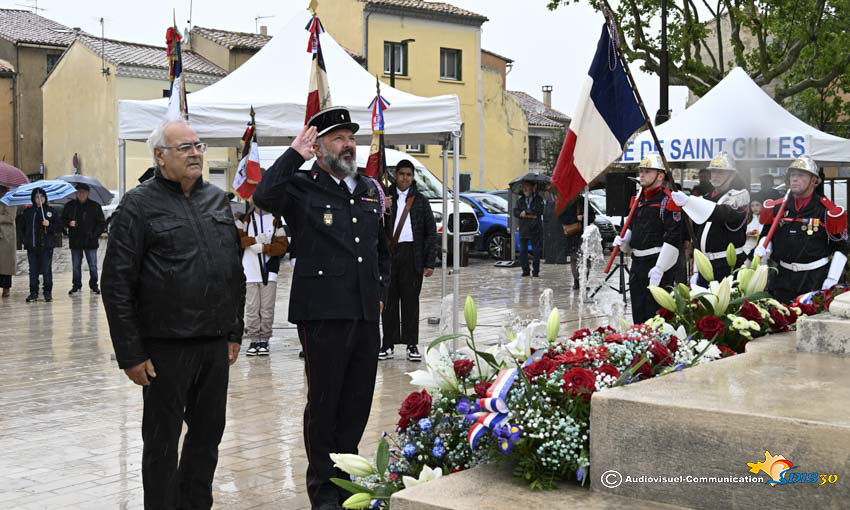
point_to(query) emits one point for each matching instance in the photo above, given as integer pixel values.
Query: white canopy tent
(738, 117)
(275, 82)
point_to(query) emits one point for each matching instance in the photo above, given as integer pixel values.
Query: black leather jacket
(172, 268)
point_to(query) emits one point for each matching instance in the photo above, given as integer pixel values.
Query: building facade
(81, 97)
(546, 129)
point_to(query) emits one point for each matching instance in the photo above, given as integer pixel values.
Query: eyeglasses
(187, 147)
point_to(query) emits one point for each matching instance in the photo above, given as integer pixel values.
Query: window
(416, 148)
(535, 149)
(400, 51)
(450, 64)
(52, 60)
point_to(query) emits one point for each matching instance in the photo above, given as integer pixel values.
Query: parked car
(492, 214)
(109, 209)
(501, 193)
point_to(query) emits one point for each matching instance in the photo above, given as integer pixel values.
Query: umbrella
(11, 177)
(55, 190)
(97, 191)
(530, 177)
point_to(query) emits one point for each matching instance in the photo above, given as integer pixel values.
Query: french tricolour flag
(318, 94)
(606, 115)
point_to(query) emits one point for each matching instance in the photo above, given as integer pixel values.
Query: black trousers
(405, 286)
(643, 304)
(537, 252)
(191, 386)
(787, 284)
(341, 361)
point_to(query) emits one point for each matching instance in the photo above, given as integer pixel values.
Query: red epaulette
(671, 205)
(766, 214)
(836, 217)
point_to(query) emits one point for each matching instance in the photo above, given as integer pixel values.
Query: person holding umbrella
(85, 223)
(40, 225)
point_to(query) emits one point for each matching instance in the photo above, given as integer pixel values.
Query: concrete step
(712, 420)
(494, 487)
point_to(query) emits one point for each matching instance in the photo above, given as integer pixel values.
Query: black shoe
(262, 349)
(301, 355)
(252, 349)
(413, 353)
(526, 274)
(32, 297)
(73, 291)
(48, 297)
(385, 353)
(95, 291)
(536, 274)
(576, 285)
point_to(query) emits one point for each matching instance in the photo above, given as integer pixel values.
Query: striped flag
(376, 164)
(248, 173)
(177, 106)
(606, 115)
(319, 94)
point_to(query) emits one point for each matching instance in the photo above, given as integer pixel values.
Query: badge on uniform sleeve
(329, 219)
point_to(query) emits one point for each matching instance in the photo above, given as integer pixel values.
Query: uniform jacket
(34, 235)
(530, 227)
(727, 223)
(421, 223)
(343, 265)
(657, 220)
(90, 224)
(172, 268)
(792, 241)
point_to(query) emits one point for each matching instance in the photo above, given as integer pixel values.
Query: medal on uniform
(817, 223)
(329, 219)
(809, 227)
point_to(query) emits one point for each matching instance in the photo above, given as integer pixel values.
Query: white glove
(619, 241)
(763, 252)
(828, 283)
(694, 278)
(680, 198)
(256, 248)
(655, 275)
(262, 238)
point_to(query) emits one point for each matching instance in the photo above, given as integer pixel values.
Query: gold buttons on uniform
(353, 220)
(356, 239)
(320, 272)
(359, 259)
(351, 201)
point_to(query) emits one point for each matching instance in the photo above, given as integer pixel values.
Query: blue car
(492, 213)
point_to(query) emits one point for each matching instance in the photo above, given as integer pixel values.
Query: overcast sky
(548, 48)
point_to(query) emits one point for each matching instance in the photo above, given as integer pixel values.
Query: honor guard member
(812, 229)
(339, 285)
(721, 217)
(653, 240)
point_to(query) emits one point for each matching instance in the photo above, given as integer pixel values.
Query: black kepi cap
(81, 186)
(335, 117)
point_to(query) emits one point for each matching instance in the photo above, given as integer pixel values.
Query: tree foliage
(801, 48)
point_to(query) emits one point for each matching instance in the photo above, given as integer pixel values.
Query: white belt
(722, 254)
(793, 266)
(646, 252)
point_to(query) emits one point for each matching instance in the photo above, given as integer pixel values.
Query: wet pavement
(70, 420)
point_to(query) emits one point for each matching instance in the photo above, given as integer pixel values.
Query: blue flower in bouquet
(409, 450)
(464, 406)
(680, 366)
(438, 440)
(376, 503)
(438, 452)
(507, 437)
(580, 474)
(425, 424)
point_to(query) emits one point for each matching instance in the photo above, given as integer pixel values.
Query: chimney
(547, 96)
(264, 30)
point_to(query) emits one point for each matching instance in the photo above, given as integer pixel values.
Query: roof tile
(429, 7)
(538, 114)
(233, 40)
(25, 27)
(143, 55)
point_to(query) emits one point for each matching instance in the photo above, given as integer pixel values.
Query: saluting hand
(303, 143)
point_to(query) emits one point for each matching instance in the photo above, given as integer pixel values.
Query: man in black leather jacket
(174, 294)
(339, 283)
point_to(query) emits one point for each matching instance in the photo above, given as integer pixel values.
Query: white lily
(663, 298)
(678, 332)
(711, 350)
(723, 293)
(553, 325)
(439, 372)
(352, 464)
(703, 265)
(758, 281)
(426, 475)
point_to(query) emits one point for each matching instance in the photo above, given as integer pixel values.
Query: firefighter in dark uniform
(654, 239)
(721, 217)
(812, 229)
(339, 285)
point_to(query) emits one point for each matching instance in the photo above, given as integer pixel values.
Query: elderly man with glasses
(174, 293)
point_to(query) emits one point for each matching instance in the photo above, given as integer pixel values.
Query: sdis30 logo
(778, 468)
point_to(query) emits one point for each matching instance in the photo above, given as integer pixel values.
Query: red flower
(613, 338)
(393, 476)
(664, 313)
(463, 367)
(415, 407)
(607, 369)
(605, 330)
(481, 388)
(792, 316)
(540, 367)
(659, 353)
(580, 334)
(645, 370)
(780, 322)
(709, 326)
(582, 355)
(749, 312)
(579, 381)
(673, 344)
(808, 309)
(725, 352)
